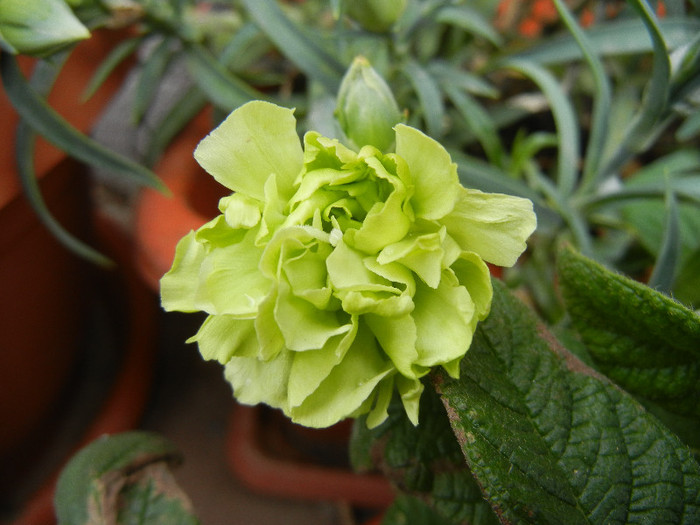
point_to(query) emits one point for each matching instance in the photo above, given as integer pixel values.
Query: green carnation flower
(334, 277)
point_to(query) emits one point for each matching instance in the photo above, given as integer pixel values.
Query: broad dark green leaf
(552, 441)
(644, 340)
(423, 462)
(123, 479)
(411, 510)
(46, 122)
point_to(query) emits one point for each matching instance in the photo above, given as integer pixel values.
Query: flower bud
(367, 110)
(38, 27)
(376, 15)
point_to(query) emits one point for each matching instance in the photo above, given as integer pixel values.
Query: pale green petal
(410, 391)
(222, 336)
(256, 140)
(270, 339)
(322, 152)
(386, 222)
(347, 270)
(273, 214)
(347, 386)
(400, 275)
(311, 368)
(179, 285)
(493, 225)
(397, 338)
(303, 326)
(217, 233)
(473, 274)
(422, 253)
(256, 381)
(230, 280)
(383, 394)
(240, 211)
(358, 302)
(287, 243)
(432, 170)
(444, 323)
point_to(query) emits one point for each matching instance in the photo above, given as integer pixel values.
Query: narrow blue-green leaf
(526, 146)
(337, 8)
(642, 339)
(470, 20)
(606, 40)
(223, 88)
(564, 117)
(45, 121)
(150, 78)
(244, 48)
(667, 262)
(181, 113)
(448, 74)
(601, 100)
(428, 91)
(675, 8)
(572, 216)
(551, 440)
(294, 43)
(479, 122)
(690, 127)
(656, 96)
(25, 140)
(120, 53)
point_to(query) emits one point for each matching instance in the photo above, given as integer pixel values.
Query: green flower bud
(376, 15)
(38, 27)
(367, 110)
(333, 277)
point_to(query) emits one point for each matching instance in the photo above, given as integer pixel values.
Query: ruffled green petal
(178, 287)
(422, 253)
(472, 273)
(256, 140)
(222, 336)
(303, 326)
(255, 381)
(382, 398)
(386, 222)
(410, 391)
(270, 338)
(347, 386)
(397, 338)
(493, 225)
(311, 368)
(240, 211)
(443, 320)
(230, 282)
(432, 170)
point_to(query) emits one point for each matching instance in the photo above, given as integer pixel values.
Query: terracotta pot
(160, 222)
(132, 315)
(42, 283)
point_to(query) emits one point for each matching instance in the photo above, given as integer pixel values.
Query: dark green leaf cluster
(549, 439)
